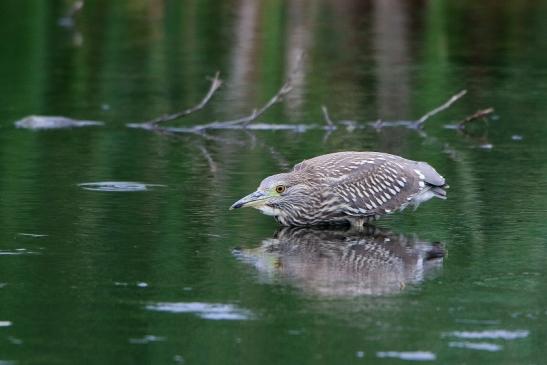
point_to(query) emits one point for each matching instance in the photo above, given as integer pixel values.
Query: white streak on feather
(419, 173)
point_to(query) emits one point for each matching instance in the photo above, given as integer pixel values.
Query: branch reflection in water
(343, 261)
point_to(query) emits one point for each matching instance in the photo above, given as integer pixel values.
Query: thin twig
(479, 114)
(330, 124)
(216, 82)
(252, 138)
(68, 20)
(278, 157)
(75, 8)
(240, 123)
(212, 164)
(419, 123)
(327, 117)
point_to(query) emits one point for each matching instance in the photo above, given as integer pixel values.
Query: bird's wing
(334, 164)
(370, 183)
(374, 185)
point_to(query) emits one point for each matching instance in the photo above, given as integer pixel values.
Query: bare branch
(216, 82)
(419, 123)
(477, 115)
(244, 121)
(247, 123)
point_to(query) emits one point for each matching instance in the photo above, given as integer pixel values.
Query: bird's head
(276, 194)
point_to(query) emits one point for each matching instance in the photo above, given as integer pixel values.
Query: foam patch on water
(490, 334)
(146, 339)
(117, 186)
(408, 355)
(484, 346)
(214, 311)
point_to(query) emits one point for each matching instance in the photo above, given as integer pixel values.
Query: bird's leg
(358, 223)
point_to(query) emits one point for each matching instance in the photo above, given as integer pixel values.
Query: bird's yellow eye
(280, 189)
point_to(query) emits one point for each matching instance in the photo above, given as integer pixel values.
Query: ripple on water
(408, 355)
(146, 339)
(491, 334)
(214, 311)
(118, 186)
(18, 251)
(477, 321)
(35, 235)
(484, 346)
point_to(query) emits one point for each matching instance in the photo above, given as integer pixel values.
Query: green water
(151, 277)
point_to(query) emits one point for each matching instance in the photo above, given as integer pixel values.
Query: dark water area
(117, 245)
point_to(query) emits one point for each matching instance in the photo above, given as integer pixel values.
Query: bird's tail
(439, 191)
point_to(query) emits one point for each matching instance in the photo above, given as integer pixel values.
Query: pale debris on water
(408, 355)
(214, 311)
(117, 186)
(5, 323)
(54, 122)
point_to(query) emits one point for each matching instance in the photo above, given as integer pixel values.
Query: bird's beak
(255, 199)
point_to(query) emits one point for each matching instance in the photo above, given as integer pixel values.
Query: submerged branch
(212, 164)
(419, 123)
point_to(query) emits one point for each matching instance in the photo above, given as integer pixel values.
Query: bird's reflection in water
(344, 262)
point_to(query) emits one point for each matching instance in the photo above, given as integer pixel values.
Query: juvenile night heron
(345, 187)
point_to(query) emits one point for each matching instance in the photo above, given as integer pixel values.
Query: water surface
(117, 246)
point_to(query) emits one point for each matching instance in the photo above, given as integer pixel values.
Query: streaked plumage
(345, 262)
(345, 187)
